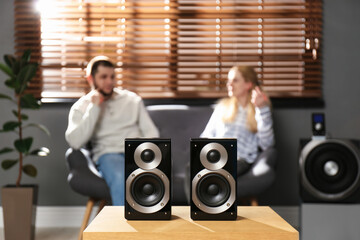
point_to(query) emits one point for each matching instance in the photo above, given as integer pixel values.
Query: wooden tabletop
(252, 223)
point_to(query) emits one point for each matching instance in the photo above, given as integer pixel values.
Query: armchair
(182, 122)
(84, 179)
(258, 178)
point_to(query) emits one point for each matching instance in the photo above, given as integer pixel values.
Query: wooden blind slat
(177, 49)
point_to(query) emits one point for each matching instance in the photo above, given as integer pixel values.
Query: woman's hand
(259, 98)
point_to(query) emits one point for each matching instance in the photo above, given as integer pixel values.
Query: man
(106, 116)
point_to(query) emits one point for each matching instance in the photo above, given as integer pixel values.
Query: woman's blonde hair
(231, 104)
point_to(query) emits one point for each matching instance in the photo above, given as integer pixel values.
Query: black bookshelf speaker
(329, 170)
(213, 175)
(148, 176)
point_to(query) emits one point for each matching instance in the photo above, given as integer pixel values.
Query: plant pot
(19, 211)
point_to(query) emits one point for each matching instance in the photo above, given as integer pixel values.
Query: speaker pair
(148, 176)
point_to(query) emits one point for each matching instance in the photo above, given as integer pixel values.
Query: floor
(52, 233)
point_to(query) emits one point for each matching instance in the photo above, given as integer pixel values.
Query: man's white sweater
(107, 126)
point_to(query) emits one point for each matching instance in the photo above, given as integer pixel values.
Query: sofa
(180, 123)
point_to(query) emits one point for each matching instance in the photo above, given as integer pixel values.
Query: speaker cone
(330, 169)
(213, 191)
(147, 191)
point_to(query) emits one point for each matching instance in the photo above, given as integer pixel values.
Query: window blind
(173, 48)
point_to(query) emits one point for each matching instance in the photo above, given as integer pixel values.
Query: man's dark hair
(99, 63)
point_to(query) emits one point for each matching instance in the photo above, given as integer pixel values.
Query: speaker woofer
(147, 191)
(213, 156)
(147, 156)
(330, 168)
(213, 191)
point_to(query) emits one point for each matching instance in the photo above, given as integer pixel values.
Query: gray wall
(341, 51)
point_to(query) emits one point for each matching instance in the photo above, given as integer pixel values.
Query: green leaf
(9, 60)
(16, 67)
(23, 145)
(10, 126)
(41, 152)
(11, 83)
(6, 70)
(25, 75)
(26, 55)
(29, 101)
(6, 164)
(5, 97)
(23, 116)
(6, 150)
(30, 170)
(39, 126)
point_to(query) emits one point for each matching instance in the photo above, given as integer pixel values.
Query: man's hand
(96, 97)
(259, 98)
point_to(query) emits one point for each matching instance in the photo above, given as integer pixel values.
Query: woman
(245, 115)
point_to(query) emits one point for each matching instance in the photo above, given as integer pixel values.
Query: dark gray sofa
(180, 123)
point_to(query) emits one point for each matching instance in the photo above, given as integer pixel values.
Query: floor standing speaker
(148, 176)
(213, 179)
(329, 189)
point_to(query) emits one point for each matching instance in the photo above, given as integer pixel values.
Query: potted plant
(19, 200)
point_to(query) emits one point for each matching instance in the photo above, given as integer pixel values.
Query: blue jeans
(112, 168)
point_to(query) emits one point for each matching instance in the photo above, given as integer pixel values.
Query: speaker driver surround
(147, 191)
(147, 156)
(213, 156)
(330, 169)
(213, 191)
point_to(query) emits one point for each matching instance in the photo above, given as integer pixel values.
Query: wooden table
(252, 223)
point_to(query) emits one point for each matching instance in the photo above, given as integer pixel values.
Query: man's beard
(106, 95)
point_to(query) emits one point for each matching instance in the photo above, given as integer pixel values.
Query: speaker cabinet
(148, 176)
(329, 221)
(213, 179)
(329, 171)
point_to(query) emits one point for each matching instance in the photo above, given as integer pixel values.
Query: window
(173, 48)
